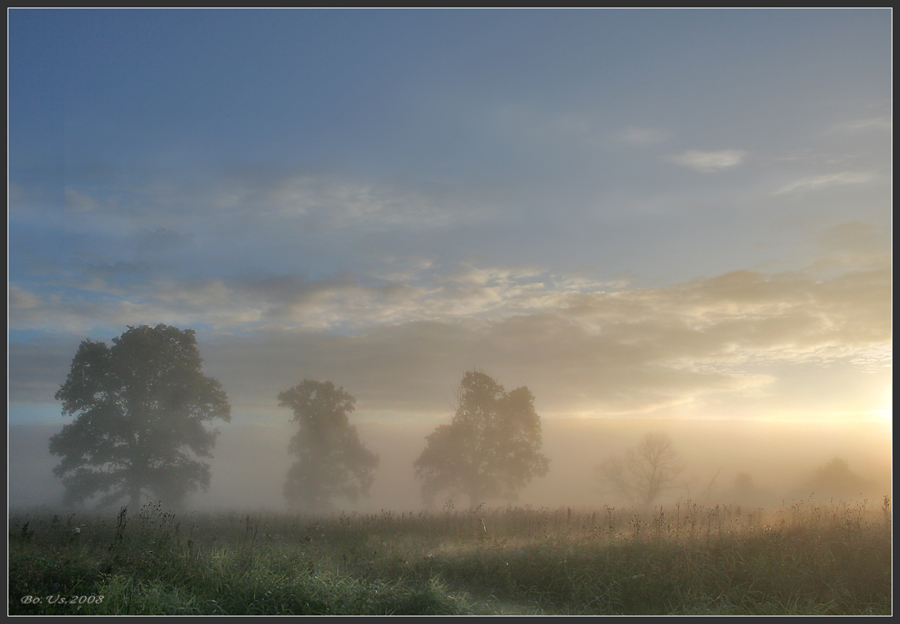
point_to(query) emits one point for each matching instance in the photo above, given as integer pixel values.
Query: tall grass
(802, 558)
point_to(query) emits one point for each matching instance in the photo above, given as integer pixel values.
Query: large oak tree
(140, 408)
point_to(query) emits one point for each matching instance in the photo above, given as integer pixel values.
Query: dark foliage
(140, 408)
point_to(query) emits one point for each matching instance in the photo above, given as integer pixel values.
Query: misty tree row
(141, 408)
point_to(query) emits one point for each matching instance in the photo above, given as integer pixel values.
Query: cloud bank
(582, 347)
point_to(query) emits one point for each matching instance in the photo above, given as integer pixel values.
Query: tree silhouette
(744, 491)
(140, 408)
(645, 473)
(331, 459)
(836, 479)
(743, 484)
(491, 447)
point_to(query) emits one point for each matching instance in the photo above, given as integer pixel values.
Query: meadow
(802, 558)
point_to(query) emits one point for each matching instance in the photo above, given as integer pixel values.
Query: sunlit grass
(686, 559)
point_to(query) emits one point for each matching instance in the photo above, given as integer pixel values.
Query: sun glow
(887, 411)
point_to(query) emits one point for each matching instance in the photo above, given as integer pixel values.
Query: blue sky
(668, 213)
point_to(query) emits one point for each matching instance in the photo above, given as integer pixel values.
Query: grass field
(803, 558)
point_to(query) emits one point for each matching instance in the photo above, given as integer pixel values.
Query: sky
(637, 214)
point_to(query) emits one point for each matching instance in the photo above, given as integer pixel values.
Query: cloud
(853, 244)
(79, 202)
(863, 125)
(168, 210)
(105, 295)
(642, 137)
(405, 269)
(613, 353)
(709, 162)
(812, 183)
(243, 221)
(21, 299)
(580, 346)
(103, 276)
(330, 201)
(342, 203)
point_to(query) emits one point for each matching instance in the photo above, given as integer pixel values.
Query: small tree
(645, 473)
(331, 459)
(140, 408)
(491, 447)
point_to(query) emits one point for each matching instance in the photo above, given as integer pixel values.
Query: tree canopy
(490, 449)
(331, 459)
(139, 408)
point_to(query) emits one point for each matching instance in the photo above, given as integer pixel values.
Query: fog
(781, 458)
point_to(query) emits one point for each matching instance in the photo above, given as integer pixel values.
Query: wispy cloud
(812, 183)
(320, 201)
(342, 203)
(20, 299)
(80, 202)
(709, 162)
(863, 125)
